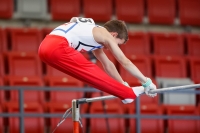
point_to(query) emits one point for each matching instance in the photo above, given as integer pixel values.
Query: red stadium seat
(148, 125)
(161, 11)
(6, 9)
(66, 81)
(24, 64)
(30, 96)
(2, 70)
(2, 94)
(57, 78)
(194, 68)
(181, 125)
(141, 62)
(189, 12)
(168, 44)
(64, 10)
(67, 125)
(31, 124)
(2, 74)
(100, 11)
(25, 39)
(99, 125)
(170, 67)
(54, 72)
(1, 79)
(193, 44)
(138, 44)
(194, 63)
(3, 41)
(130, 11)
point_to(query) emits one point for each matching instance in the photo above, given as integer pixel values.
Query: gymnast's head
(118, 29)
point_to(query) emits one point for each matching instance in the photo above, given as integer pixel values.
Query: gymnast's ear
(114, 34)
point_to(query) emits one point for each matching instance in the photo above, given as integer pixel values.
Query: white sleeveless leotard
(79, 34)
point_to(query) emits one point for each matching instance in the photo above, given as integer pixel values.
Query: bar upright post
(75, 116)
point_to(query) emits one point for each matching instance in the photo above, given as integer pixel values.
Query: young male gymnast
(61, 50)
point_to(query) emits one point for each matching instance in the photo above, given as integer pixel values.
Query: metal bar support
(21, 109)
(75, 116)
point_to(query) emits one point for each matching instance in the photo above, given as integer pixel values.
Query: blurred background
(164, 43)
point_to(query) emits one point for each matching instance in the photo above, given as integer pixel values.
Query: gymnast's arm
(103, 37)
(108, 66)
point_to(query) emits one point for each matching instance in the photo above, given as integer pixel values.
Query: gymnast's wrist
(147, 83)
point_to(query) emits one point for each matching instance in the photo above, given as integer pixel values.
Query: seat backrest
(168, 44)
(25, 39)
(1, 81)
(161, 11)
(31, 124)
(130, 11)
(3, 40)
(2, 70)
(66, 81)
(170, 67)
(2, 94)
(193, 44)
(189, 12)
(100, 11)
(148, 125)
(116, 125)
(6, 9)
(64, 10)
(140, 62)
(194, 69)
(24, 64)
(138, 44)
(56, 78)
(54, 72)
(29, 95)
(181, 125)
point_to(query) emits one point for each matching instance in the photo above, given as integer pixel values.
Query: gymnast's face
(117, 40)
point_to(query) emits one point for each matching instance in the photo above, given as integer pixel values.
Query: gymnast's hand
(149, 85)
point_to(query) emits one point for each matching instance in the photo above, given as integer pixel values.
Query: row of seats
(160, 66)
(114, 125)
(29, 39)
(133, 11)
(28, 65)
(25, 69)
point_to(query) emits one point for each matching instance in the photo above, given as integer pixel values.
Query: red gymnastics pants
(56, 52)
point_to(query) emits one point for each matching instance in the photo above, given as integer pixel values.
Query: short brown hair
(119, 27)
